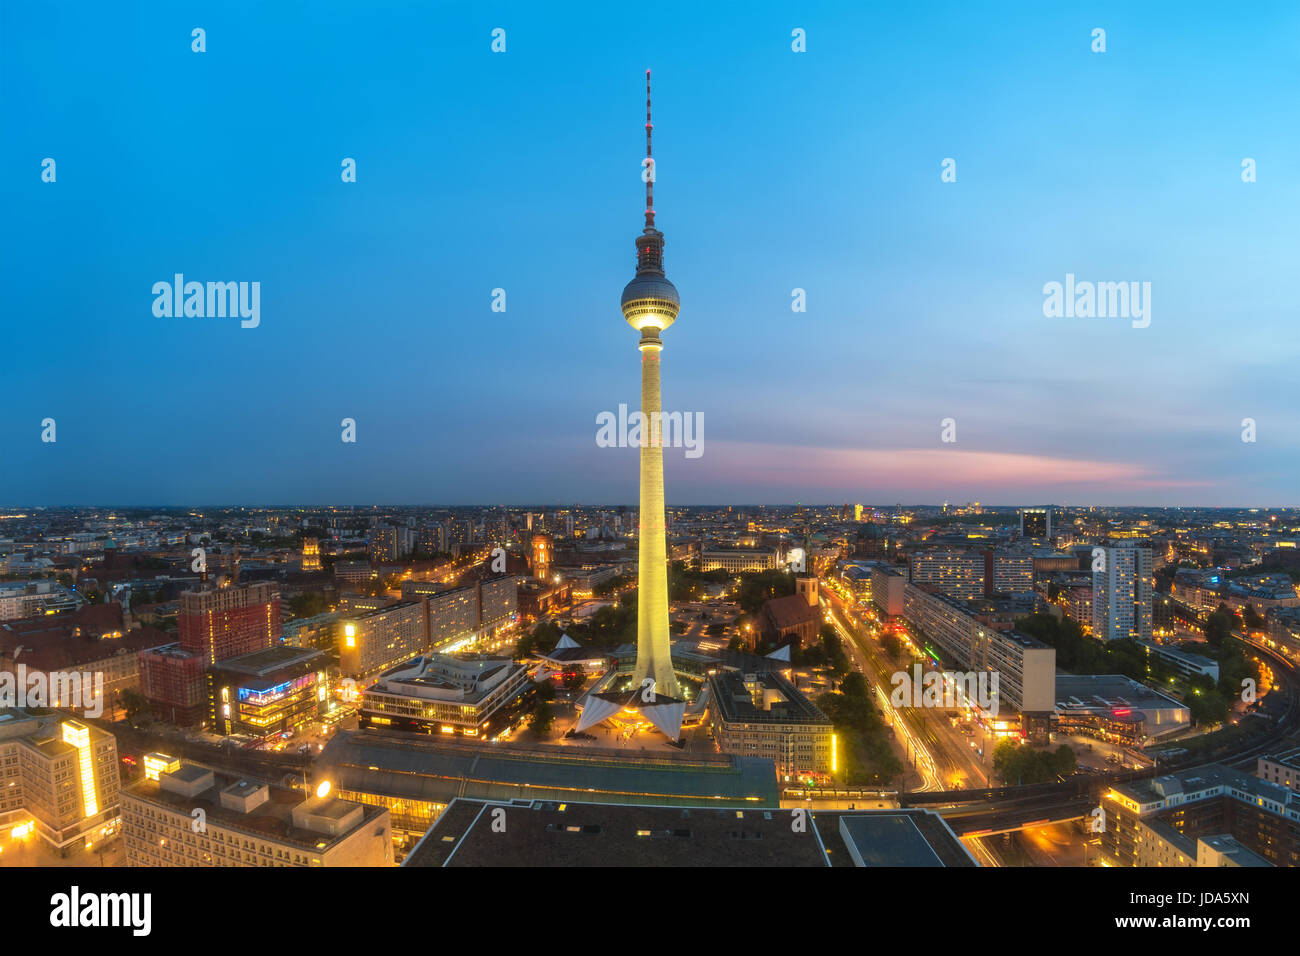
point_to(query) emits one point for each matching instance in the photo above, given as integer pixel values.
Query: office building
(737, 560)
(1206, 816)
(216, 623)
(174, 682)
(247, 823)
(1036, 523)
(471, 696)
(763, 715)
(968, 634)
(373, 641)
(887, 586)
(58, 777)
(278, 690)
(1117, 709)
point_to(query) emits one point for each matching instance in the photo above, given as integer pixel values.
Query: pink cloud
(933, 471)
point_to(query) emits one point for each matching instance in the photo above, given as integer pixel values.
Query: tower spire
(650, 178)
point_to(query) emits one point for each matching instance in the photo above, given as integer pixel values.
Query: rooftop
(438, 770)
(762, 698)
(1106, 691)
(272, 819)
(548, 833)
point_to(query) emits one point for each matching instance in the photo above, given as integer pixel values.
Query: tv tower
(650, 305)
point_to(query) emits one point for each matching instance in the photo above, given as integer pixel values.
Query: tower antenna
(650, 177)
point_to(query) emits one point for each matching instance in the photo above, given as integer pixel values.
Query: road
(949, 760)
(905, 726)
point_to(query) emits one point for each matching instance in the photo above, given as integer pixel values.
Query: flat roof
(731, 696)
(911, 837)
(1105, 691)
(551, 833)
(259, 663)
(891, 840)
(440, 769)
(273, 819)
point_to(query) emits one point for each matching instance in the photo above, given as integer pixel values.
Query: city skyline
(818, 171)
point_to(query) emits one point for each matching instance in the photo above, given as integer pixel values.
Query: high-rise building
(431, 538)
(1122, 594)
(390, 543)
(378, 639)
(498, 600)
(650, 305)
(216, 623)
(857, 512)
(174, 682)
(958, 573)
(1036, 523)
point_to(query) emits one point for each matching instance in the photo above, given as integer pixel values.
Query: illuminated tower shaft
(650, 305)
(653, 658)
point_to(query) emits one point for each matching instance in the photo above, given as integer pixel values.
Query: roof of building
(909, 837)
(1234, 849)
(1107, 692)
(778, 700)
(52, 643)
(273, 819)
(790, 611)
(550, 833)
(1209, 782)
(439, 769)
(268, 660)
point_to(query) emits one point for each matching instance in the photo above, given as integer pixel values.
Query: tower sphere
(650, 300)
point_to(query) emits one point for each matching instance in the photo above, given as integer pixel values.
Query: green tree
(135, 704)
(1218, 626)
(758, 587)
(542, 719)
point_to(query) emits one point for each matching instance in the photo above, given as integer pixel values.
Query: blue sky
(776, 170)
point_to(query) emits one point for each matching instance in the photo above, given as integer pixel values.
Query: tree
(134, 703)
(834, 650)
(1065, 762)
(1218, 626)
(855, 685)
(758, 587)
(308, 604)
(542, 719)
